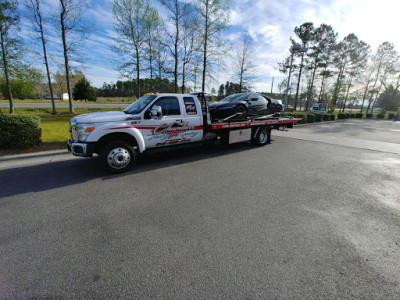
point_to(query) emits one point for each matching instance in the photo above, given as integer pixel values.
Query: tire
(262, 137)
(242, 110)
(118, 156)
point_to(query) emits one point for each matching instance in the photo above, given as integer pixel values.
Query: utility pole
(272, 84)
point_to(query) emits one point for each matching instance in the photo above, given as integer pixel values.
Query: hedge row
(311, 118)
(19, 130)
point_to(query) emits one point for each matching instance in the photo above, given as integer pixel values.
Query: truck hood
(100, 117)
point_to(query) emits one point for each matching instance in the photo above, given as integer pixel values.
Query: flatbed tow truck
(161, 120)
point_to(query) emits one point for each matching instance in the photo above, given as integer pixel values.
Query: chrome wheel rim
(263, 137)
(118, 158)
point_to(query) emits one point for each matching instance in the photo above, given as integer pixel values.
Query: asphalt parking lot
(315, 214)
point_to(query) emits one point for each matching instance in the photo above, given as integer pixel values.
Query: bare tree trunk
(320, 91)
(3, 48)
(309, 98)
(337, 86)
(203, 84)
(138, 73)
(39, 22)
(365, 92)
(183, 78)
(63, 29)
(373, 88)
(298, 82)
(376, 98)
(347, 94)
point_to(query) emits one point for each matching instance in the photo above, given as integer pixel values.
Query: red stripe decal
(199, 127)
(255, 123)
(121, 127)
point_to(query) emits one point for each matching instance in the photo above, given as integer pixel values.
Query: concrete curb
(33, 155)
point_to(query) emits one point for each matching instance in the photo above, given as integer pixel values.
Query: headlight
(83, 131)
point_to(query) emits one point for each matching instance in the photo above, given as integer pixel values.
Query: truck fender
(97, 134)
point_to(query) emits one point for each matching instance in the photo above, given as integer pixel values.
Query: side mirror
(147, 114)
(156, 112)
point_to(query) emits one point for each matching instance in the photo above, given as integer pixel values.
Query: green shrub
(359, 115)
(381, 116)
(369, 116)
(391, 116)
(318, 117)
(332, 117)
(302, 117)
(310, 118)
(341, 116)
(352, 115)
(326, 117)
(19, 130)
(347, 115)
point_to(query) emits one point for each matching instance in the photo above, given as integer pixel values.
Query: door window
(169, 105)
(190, 106)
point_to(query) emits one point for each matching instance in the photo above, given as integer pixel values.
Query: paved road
(63, 105)
(295, 219)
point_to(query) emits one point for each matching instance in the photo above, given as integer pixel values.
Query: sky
(270, 24)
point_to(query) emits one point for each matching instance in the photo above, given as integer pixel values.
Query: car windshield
(235, 98)
(137, 106)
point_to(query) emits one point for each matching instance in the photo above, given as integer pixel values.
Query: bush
(341, 116)
(19, 131)
(391, 116)
(310, 118)
(326, 117)
(302, 117)
(347, 115)
(19, 89)
(369, 116)
(380, 116)
(332, 117)
(318, 117)
(352, 115)
(359, 115)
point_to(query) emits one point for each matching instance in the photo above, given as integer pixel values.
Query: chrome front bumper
(80, 149)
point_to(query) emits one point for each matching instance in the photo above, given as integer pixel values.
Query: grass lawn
(55, 129)
(101, 100)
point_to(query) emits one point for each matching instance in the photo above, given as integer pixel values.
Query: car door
(169, 129)
(193, 119)
(255, 104)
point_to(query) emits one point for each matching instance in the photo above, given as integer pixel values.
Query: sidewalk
(30, 159)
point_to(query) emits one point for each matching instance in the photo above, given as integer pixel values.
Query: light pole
(293, 49)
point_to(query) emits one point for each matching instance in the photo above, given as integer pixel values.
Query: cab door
(169, 129)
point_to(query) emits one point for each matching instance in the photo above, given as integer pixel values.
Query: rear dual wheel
(263, 136)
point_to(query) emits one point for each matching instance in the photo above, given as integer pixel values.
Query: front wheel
(118, 156)
(262, 137)
(242, 112)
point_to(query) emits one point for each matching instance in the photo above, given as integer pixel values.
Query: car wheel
(279, 108)
(118, 156)
(242, 112)
(262, 137)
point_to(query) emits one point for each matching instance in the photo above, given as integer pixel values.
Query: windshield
(235, 98)
(137, 106)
